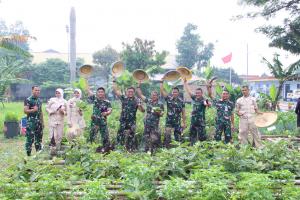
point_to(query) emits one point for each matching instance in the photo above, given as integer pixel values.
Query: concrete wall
(18, 92)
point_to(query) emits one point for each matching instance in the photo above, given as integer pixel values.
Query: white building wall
(264, 86)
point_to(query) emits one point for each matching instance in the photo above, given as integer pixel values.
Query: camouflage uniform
(151, 122)
(197, 128)
(126, 131)
(34, 127)
(223, 119)
(98, 122)
(173, 120)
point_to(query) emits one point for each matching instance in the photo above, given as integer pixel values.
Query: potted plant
(11, 125)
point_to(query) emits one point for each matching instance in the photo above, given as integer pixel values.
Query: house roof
(50, 51)
(170, 63)
(257, 78)
(244, 77)
(262, 79)
(39, 57)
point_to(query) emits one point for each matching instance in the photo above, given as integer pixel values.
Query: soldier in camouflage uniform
(225, 115)
(154, 110)
(130, 104)
(175, 110)
(101, 109)
(35, 123)
(197, 128)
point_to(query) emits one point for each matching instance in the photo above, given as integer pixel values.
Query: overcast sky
(103, 22)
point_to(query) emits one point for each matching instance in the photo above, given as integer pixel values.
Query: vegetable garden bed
(208, 170)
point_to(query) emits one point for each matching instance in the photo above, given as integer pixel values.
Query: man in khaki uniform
(246, 108)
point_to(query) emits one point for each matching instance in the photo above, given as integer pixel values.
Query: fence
(18, 92)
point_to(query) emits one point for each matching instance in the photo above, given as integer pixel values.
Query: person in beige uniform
(246, 108)
(56, 108)
(75, 118)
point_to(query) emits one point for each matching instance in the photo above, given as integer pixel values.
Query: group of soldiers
(246, 108)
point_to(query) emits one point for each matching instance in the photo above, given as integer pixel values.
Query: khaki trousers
(56, 132)
(248, 128)
(71, 135)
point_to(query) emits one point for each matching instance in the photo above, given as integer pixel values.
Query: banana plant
(235, 92)
(283, 75)
(266, 98)
(208, 72)
(82, 85)
(125, 80)
(154, 70)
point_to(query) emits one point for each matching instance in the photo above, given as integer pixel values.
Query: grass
(11, 150)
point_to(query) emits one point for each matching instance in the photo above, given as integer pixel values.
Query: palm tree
(281, 74)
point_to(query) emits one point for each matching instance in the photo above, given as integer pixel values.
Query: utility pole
(247, 65)
(68, 51)
(72, 45)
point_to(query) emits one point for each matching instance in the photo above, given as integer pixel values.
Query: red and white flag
(227, 58)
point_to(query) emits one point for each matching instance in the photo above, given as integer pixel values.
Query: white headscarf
(61, 91)
(79, 91)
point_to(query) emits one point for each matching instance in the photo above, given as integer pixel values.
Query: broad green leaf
(273, 91)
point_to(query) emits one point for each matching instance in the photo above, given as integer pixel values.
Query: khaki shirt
(246, 106)
(55, 117)
(73, 114)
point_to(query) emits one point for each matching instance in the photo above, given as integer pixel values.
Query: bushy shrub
(11, 117)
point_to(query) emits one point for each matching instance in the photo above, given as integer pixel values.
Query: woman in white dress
(56, 108)
(75, 118)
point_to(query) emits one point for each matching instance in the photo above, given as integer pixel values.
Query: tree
(285, 35)
(223, 74)
(192, 50)
(79, 62)
(10, 69)
(142, 55)
(281, 74)
(205, 55)
(104, 58)
(53, 70)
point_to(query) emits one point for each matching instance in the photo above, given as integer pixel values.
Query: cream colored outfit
(247, 106)
(56, 118)
(75, 119)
